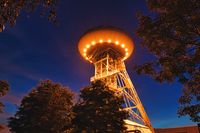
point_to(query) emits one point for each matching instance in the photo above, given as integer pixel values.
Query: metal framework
(113, 73)
(107, 48)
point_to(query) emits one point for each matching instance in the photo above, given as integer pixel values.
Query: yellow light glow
(126, 53)
(84, 54)
(109, 40)
(93, 42)
(126, 49)
(87, 46)
(90, 61)
(101, 41)
(87, 58)
(123, 45)
(84, 49)
(117, 42)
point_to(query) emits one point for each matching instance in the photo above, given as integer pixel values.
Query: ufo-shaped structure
(99, 39)
(107, 48)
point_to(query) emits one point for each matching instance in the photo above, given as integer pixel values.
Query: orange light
(84, 49)
(109, 41)
(126, 49)
(87, 46)
(123, 45)
(117, 42)
(101, 41)
(87, 58)
(126, 53)
(84, 54)
(93, 42)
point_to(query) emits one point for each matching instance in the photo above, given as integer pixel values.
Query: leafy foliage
(4, 88)
(99, 110)
(1, 127)
(11, 9)
(46, 109)
(173, 36)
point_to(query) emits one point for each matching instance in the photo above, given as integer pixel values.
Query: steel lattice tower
(107, 48)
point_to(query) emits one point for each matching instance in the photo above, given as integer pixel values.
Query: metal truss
(113, 73)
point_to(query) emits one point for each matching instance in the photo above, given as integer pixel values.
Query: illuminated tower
(107, 48)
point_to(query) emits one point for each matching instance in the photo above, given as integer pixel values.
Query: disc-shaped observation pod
(101, 38)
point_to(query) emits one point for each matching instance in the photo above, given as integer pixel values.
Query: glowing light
(84, 54)
(87, 58)
(109, 41)
(87, 46)
(117, 42)
(126, 49)
(126, 53)
(123, 45)
(93, 42)
(101, 41)
(84, 49)
(90, 61)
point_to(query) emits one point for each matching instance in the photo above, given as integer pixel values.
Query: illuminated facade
(107, 48)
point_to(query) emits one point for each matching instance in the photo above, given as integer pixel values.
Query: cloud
(7, 65)
(16, 69)
(172, 122)
(10, 101)
(13, 98)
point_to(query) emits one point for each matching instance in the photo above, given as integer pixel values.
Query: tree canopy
(4, 88)
(172, 34)
(10, 10)
(46, 109)
(99, 110)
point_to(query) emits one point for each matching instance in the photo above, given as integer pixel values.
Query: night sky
(35, 49)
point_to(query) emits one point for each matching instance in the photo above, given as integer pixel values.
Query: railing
(103, 75)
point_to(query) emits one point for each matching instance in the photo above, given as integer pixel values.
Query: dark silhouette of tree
(99, 110)
(172, 34)
(1, 127)
(4, 88)
(11, 9)
(46, 109)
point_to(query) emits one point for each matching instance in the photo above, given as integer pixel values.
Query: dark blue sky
(35, 49)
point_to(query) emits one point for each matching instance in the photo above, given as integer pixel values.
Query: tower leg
(114, 74)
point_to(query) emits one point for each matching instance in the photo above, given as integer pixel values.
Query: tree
(99, 110)
(172, 34)
(11, 9)
(4, 88)
(46, 109)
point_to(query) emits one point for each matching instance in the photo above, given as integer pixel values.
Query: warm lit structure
(184, 129)
(107, 48)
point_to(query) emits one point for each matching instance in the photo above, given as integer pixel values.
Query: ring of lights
(106, 36)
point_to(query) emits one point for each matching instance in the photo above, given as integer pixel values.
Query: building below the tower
(133, 127)
(184, 129)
